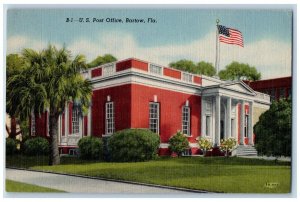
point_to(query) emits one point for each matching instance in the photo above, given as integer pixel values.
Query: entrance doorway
(222, 130)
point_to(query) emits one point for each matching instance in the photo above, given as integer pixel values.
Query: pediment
(238, 87)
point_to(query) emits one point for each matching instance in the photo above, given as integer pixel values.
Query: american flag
(230, 36)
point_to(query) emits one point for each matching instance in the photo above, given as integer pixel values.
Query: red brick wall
(41, 125)
(265, 86)
(272, 83)
(198, 80)
(63, 125)
(96, 72)
(246, 140)
(120, 95)
(170, 110)
(140, 65)
(123, 65)
(172, 73)
(85, 124)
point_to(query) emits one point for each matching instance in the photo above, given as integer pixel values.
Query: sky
(176, 34)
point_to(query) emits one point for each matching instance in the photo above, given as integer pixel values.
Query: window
(154, 69)
(187, 77)
(154, 117)
(186, 120)
(33, 124)
(109, 118)
(246, 125)
(75, 121)
(272, 94)
(281, 93)
(187, 152)
(207, 125)
(108, 70)
(289, 92)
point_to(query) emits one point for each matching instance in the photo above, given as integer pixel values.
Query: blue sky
(178, 34)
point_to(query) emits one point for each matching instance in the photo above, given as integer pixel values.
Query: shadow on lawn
(21, 161)
(228, 161)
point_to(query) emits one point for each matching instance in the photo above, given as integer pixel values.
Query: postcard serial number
(112, 20)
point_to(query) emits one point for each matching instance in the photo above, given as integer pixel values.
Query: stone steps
(245, 150)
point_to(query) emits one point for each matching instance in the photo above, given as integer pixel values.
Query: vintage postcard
(179, 101)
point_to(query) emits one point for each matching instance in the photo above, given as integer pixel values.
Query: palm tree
(50, 79)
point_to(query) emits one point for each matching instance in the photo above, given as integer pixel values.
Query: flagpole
(217, 48)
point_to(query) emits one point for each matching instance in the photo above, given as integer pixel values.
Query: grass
(13, 186)
(217, 174)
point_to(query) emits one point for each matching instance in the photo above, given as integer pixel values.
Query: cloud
(272, 58)
(15, 44)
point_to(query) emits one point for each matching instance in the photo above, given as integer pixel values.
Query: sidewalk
(84, 185)
(270, 158)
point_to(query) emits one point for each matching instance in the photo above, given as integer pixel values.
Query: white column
(250, 123)
(89, 125)
(228, 119)
(217, 120)
(242, 125)
(202, 117)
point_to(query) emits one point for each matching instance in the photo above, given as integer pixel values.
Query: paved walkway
(84, 185)
(270, 158)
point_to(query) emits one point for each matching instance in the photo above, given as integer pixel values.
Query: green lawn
(13, 186)
(217, 174)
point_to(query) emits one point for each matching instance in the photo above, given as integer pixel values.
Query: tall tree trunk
(54, 158)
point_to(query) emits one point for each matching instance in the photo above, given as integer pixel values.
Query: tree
(178, 143)
(273, 130)
(49, 79)
(228, 145)
(202, 67)
(205, 145)
(184, 65)
(100, 60)
(14, 64)
(239, 71)
(206, 68)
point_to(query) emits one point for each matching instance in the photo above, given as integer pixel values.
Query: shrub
(131, 145)
(274, 130)
(227, 145)
(178, 143)
(11, 146)
(90, 148)
(36, 146)
(205, 145)
(106, 153)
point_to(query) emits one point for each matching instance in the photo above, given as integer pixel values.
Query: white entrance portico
(227, 112)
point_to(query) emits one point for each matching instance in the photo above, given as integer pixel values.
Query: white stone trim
(250, 123)
(228, 118)
(260, 105)
(217, 120)
(106, 135)
(166, 145)
(89, 121)
(242, 123)
(132, 79)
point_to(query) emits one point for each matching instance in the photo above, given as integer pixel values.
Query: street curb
(116, 180)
